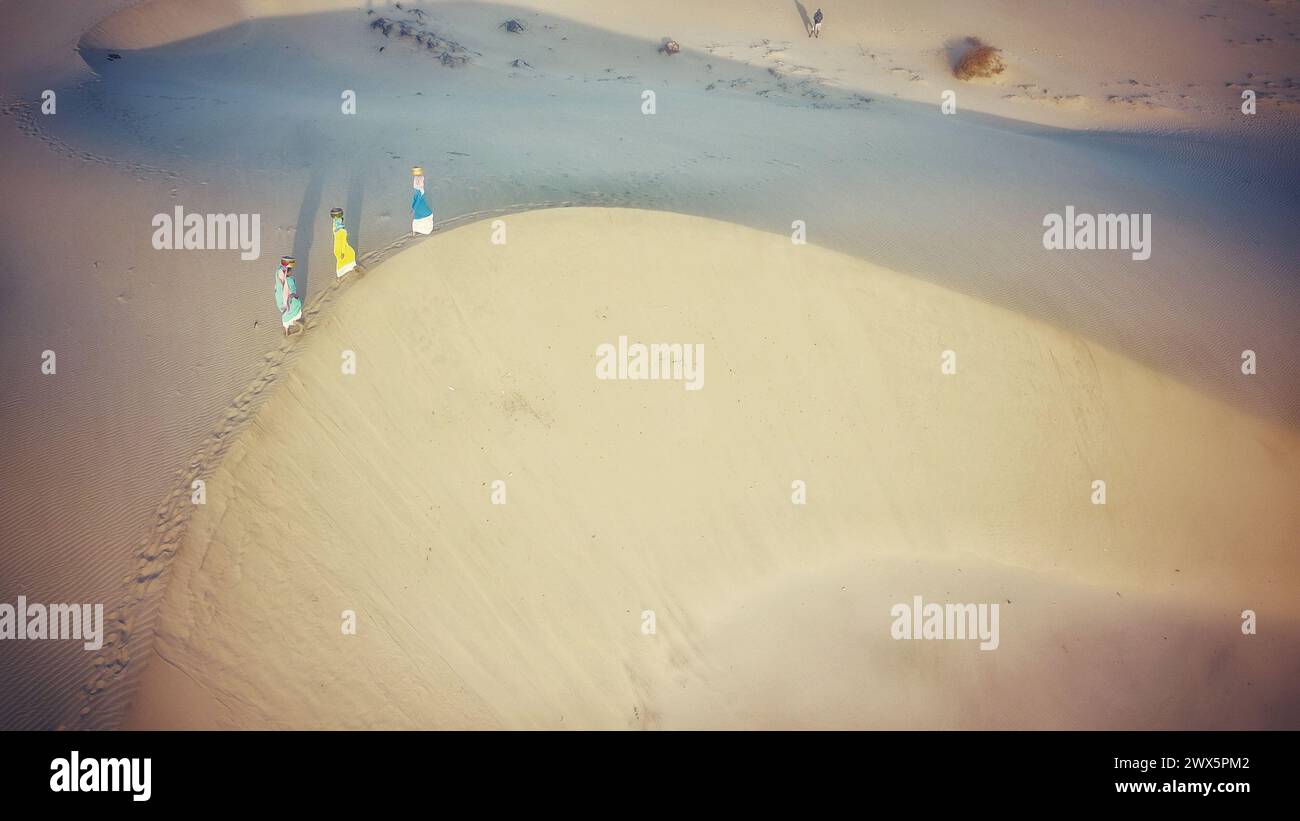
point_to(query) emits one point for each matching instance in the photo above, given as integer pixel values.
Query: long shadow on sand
(803, 15)
(304, 234)
(356, 196)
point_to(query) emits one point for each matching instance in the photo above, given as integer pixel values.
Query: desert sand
(166, 359)
(373, 492)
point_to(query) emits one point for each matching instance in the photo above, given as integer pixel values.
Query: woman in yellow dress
(344, 257)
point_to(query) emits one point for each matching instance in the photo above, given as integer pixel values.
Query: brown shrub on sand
(980, 60)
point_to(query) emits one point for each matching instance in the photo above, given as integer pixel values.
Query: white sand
(372, 492)
(234, 106)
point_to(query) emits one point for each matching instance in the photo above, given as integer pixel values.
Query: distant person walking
(817, 24)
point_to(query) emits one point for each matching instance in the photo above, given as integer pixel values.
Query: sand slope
(475, 362)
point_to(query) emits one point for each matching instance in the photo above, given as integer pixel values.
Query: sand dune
(475, 362)
(157, 23)
(234, 107)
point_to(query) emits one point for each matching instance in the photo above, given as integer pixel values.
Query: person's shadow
(803, 15)
(308, 215)
(352, 212)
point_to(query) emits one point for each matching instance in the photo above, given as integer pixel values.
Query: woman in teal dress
(286, 294)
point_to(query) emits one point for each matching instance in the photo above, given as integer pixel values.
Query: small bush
(980, 60)
(670, 46)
